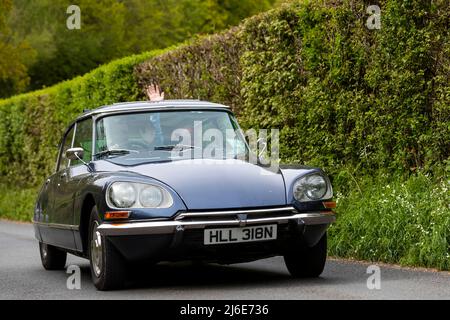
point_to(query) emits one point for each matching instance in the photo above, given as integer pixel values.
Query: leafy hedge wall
(372, 107)
(340, 93)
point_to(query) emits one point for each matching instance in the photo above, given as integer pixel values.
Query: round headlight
(122, 194)
(313, 186)
(151, 197)
(316, 187)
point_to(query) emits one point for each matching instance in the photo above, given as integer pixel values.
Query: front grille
(236, 215)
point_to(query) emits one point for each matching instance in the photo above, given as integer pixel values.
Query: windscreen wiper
(111, 152)
(171, 147)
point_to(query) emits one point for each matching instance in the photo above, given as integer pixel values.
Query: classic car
(132, 185)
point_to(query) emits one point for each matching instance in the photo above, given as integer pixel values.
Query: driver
(129, 134)
(119, 135)
(147, 134)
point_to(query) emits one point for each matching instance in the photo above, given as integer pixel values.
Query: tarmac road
(22, 277)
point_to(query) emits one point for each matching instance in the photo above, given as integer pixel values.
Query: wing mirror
(77, 154)
(74, 153)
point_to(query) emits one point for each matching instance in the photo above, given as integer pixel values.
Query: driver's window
(83, 139)
(67, 144)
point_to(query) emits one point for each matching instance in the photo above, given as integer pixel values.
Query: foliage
(24, 199)
(342, 95)
(110, 29)
(13, 71)
(206, 69)
(394, 221)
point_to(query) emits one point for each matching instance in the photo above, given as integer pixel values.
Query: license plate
(243, 234)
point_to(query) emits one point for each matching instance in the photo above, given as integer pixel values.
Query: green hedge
(369, 106)
(341, 94)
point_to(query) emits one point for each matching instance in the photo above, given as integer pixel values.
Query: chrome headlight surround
(312, 187)
(135, 195)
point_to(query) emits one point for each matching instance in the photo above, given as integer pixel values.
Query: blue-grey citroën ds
(131, 185)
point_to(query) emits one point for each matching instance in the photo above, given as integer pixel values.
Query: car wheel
(52, 258)
(107, 265)
(307, 262)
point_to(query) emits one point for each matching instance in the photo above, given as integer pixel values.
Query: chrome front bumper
(213, 219)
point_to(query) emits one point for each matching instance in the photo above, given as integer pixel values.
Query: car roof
(136, 106)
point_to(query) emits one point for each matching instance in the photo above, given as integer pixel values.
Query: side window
(83, 139)
(67, 144)
(101, 137)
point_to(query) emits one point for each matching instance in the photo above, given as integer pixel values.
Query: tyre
(107, 264)
(52, 258)
(307, 262)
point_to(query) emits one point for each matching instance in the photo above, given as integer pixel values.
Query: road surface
(22, 277)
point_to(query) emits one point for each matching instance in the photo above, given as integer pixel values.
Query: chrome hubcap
(96, 251)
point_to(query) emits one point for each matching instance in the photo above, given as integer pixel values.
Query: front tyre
(107, 265)
(52, 258)
(307, 262)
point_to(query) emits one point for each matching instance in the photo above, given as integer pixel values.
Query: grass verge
(395, 221)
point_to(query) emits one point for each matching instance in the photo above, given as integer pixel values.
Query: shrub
(342, 95)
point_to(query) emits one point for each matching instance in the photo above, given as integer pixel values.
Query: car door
(57, 229)
(78, 171)
(68, 185)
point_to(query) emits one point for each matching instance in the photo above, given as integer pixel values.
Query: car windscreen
(134, 138)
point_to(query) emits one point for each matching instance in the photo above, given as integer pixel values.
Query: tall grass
(395, 221)
(17, 203)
